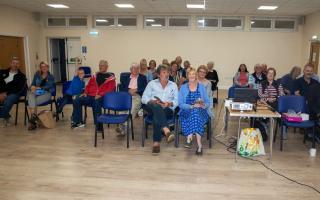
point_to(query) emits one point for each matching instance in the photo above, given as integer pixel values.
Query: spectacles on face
(203, 72)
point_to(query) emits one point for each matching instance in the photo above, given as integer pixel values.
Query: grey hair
(210, 63)
(257, 65)
(103, 62)
(134, 64)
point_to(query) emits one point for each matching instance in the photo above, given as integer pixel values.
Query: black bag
(259, 125)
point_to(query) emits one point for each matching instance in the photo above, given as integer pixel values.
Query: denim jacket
(47, 84)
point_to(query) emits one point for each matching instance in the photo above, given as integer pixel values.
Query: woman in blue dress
(195, 110)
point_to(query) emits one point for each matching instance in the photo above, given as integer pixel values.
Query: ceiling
(227, 7)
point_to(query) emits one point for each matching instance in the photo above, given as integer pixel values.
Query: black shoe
(199, 152)
(77, 125)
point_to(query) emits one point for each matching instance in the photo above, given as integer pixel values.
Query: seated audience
(161, 99)
(302, 84)
(152, 74)
(264, 68)
(258, 76)
(178, 60)
(269, 90)
(75, 89)
(12, 82)
(186, 65)
(175, 73)
(144, 67)
(135, 84)
(42, 87)
(288, 80)
(99, 84)
(194, 107)
(165, 62)
(241, 78)
(201, 73)
(212, 76)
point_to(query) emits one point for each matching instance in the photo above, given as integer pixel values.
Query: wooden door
(11, 47)
(314, 55)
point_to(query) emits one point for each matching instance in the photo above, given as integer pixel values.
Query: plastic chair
(231, 92)
(117, 101)
(87, 71)
(298, 104)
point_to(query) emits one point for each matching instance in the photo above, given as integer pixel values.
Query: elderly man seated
(161, 98)
(99, 84)
(135, 84)
(12, 82)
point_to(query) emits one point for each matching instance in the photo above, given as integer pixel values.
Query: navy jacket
(125, 80)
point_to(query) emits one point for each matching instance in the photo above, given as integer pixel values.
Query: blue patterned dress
(193, 120)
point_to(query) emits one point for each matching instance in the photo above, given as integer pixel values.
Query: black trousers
(160, 118)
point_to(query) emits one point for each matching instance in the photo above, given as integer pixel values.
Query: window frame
(76, 17)
(94, 23)
(285, 29)
(57, 17)
(232, 28)
(155, 27)
(126, 16)
(261, 29)
(208, 27)
(188, 17)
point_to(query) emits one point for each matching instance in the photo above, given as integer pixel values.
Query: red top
(243, 79)
(92, 89)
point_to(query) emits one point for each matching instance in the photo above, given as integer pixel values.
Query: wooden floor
(63, 164)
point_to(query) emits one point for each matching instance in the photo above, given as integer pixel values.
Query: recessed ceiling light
(156, 25)
(267, 7)
(57, 6)
(196, 6)
(124, 5)
(101, 20)
(149, 20)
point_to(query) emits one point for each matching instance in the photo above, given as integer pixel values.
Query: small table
(259, 113)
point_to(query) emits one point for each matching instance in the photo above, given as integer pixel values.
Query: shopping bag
(46, 119)
(250, 143)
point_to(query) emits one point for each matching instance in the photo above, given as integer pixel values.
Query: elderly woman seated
(241, 78)
(194, 107)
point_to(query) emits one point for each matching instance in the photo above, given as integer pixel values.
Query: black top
(303, 87)
(13, 87)
(259, 80)
(213, 76)
(313, 99)
(101, 77)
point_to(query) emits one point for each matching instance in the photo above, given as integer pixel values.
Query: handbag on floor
(250, 143)
(46, 119)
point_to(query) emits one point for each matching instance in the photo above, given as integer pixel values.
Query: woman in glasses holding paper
(194, 107)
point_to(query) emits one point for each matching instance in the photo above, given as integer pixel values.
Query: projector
(241, 106)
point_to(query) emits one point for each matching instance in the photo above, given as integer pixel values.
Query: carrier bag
(250, 143)
(46, 119)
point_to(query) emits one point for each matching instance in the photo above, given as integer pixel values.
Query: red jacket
(92, 89)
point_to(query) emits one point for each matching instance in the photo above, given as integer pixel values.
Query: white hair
(210, 63)
(133, 65)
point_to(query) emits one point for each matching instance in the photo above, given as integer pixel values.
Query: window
(127, 21)
(104, 21)
(154, 22)
(203, 22)
(260, 23)
(284, 24)
(182, 22)
(56, 22)
(78, 21)
(231, 23)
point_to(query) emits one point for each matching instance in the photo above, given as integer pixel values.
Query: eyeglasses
(204, 72)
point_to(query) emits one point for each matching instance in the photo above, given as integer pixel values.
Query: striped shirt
(270, 92)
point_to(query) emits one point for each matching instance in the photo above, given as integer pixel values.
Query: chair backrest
(87, 71)
(296, 103)
(65, 87)
(24, 91)
(118, 101)
(231, 92)
(123, 75)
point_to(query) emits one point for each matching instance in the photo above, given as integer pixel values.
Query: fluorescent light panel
(149, 20)
(202, 6)
(156, 25)
(57, 6)
(124, 5)
(267, 7)
(101, 20)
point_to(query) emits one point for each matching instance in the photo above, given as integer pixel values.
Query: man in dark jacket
(134, 83)
(12, 82)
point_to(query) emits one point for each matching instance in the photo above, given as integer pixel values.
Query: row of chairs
(297, 104)
(122, 102)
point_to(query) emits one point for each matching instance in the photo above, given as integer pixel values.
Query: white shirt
(10, 77)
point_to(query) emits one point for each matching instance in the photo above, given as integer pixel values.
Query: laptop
(248, 95)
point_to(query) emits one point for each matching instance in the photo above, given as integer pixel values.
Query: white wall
(311, 27)
(15, 22)
(226, 48)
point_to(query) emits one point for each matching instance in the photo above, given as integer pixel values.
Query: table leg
(239, 130)
(271, 137)
(226, 119)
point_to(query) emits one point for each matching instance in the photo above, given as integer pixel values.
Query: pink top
(133, 82)
(243, 79)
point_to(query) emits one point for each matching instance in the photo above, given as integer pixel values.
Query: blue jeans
(7, 105)
(96, 105)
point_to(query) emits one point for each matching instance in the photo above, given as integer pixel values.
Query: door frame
(26, 53)
(317, 61)
(66, 50)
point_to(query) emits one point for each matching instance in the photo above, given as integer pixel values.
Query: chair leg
(281, 137)
(108, 114)
(85, 115)
(146, 131)
(95, 137)
(143, 134)
(176, 141)
(305, 136)
(276, 131)
(313, 137)
(132, 127)
(210, 133)
(26, 114)
(16, 119)
(102, 132)
(128, 134)
(217, 95)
